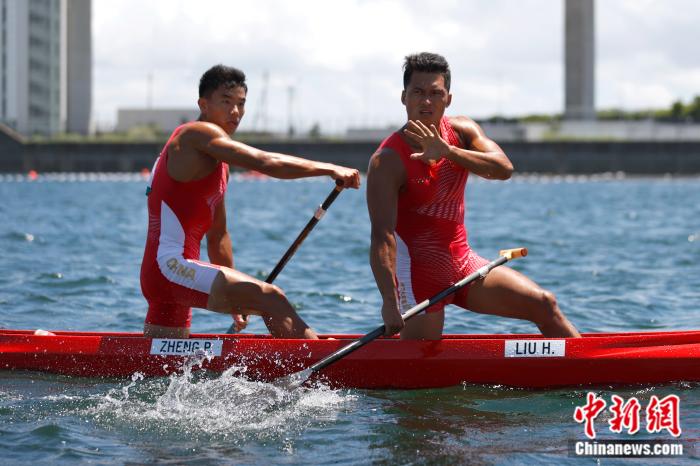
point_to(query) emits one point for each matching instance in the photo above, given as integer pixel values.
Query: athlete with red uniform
(415, 196)
(186, 201)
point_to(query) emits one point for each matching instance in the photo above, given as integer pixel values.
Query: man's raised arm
(482, 156)
(213, 141)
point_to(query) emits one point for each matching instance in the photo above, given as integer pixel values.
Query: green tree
(677, 110)
(694, 109)
(315, 131)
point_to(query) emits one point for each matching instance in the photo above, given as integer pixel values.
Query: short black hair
(425, 62)
(221, 75)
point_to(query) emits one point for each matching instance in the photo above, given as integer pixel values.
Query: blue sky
(343, 58)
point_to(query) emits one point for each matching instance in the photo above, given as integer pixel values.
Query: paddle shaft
(320, 212)
(417, 309)
(318, 215)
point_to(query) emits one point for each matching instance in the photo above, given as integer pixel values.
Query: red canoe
(511, 360)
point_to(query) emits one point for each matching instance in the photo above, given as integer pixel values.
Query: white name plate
(185, 347)
(535, 348)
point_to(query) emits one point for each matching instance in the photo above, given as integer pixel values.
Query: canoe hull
(527, 361)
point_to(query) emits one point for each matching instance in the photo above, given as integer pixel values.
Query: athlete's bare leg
(508, 293)
(425, 326)
(235, 292)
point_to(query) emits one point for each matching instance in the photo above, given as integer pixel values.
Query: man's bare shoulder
(462, 122)
(386, 170)
(385, 159)
(467, 129)
(199, 130)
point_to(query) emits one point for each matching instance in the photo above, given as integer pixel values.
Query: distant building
(579, 130)
(163, 119)
(579, 60)
(45, 65)
(79, 66)
(369, 134)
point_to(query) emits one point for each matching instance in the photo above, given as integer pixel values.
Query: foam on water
(225, 406)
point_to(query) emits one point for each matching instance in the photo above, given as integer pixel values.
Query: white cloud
(343, 57)
(647, 52)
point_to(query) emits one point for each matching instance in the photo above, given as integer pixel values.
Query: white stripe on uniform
(403, 275)
(191, 274)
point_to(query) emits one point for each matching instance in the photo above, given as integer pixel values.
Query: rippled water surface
(621, 254)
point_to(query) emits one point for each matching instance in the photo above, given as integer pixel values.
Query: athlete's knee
(549, 301)
(548, 308)
(271, 291)
(275, 303)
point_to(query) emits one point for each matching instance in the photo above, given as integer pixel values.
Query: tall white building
(46, 65)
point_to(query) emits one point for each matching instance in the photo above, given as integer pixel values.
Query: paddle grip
(511, 254)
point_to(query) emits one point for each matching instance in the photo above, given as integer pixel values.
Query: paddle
(318, 215)
(296, 379)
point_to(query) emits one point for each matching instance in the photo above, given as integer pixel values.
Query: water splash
(227, 406)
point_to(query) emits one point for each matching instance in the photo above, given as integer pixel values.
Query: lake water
(620, 254)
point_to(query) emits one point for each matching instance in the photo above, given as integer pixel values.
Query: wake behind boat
(527, 360)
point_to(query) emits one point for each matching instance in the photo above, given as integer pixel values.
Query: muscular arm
(209, 139)
(482, 157)
(220, 252)
(384, 180)
(219, 245)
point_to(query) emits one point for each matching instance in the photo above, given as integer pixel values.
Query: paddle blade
(295, 380)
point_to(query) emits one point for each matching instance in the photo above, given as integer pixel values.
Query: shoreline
(571, 157)
(247, 176)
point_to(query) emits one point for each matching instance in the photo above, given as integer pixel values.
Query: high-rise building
(579, 60)
(45, 65)
(78, 66)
